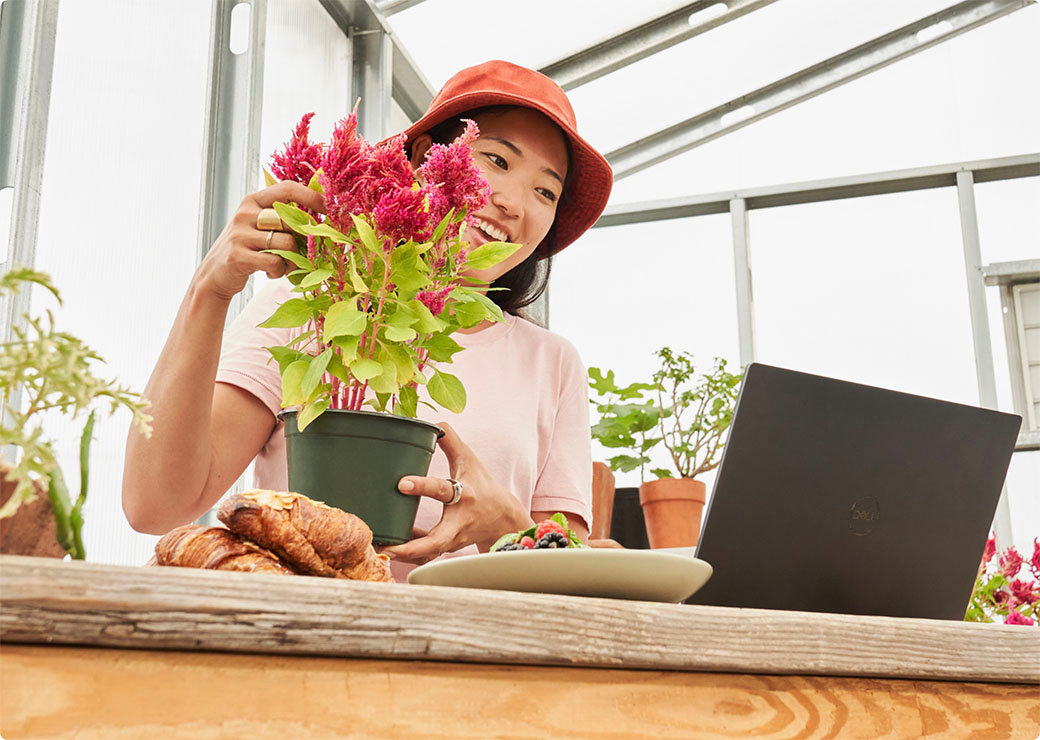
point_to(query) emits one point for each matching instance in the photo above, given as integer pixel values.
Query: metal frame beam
(815, 191)
(389, 7)
(808, 83)
(639, 42)
(409, 87)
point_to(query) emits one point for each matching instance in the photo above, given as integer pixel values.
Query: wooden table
(96, 651)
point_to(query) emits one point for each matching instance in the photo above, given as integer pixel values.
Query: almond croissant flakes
(312, 538)
(274, 532)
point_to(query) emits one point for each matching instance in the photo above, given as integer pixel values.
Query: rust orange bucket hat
(503, 83)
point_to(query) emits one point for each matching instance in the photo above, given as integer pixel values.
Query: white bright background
(871, 289)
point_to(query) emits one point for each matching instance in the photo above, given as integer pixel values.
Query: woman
(521, 449)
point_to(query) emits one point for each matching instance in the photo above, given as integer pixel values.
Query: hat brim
(588, 183)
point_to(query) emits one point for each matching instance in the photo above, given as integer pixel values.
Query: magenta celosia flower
(991, 548)
(300, 159)
(434, 299)
(1014, 617)
(1024, 591)
(454, 180)
(1001, 596)
(344, 172)
(1010, 562)
(403, 213)
(1034, 562)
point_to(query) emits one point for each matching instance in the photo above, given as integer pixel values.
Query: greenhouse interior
(845, 189)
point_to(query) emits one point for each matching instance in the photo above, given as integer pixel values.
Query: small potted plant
(689, 415)
(379, 291)
(1007, 587)
(41, 371)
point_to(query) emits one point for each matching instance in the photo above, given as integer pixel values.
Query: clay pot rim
(666, 489)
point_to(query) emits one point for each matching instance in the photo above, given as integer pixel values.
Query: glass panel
(621, 293)
(1023, 486)
(6, 206)
(119, 214)
(1009, 219)
(869, 289)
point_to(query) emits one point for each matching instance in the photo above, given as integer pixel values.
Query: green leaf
(315, 369)
(409, 399)
(294, 312)
(311, 411)
(367, 235)
(316, 278)
(489, 255)
(469, 314)
(407, 270)
(492, 308)
(292, 215)
(447, 390)
(314, 184)
(438, 233)
(403, 316)
(662, 472)
(292, 382)
(285, 356)
(365, 369)
(324, 230)
(625, 463)
(295, 257)
(269, 178)
(386, 381)
(427, 322)
(399, 333)
(441, 347)
(344, 319)
(355, 279)
(61, 507)
(404, 358)
(348, 347)
(337, 369)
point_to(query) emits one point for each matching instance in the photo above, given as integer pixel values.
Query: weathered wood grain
(110, 694)
(44, 601)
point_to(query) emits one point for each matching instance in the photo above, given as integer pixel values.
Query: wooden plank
(53, 692)
(44, 601)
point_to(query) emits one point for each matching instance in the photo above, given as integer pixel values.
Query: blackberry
(510, 546)
(551, 540)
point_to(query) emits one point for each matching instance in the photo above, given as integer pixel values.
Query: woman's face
(523, 156)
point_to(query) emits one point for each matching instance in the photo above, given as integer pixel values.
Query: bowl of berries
(550, 558)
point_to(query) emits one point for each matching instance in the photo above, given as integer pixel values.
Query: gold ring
(267, 244)
(268, 220)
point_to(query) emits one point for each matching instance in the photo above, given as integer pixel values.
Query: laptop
(839, 497)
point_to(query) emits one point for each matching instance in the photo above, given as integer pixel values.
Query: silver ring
(456, 495)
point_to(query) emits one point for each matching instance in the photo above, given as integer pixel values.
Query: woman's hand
(237, 252)
(484, 513)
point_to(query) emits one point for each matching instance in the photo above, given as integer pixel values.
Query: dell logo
(864, 515)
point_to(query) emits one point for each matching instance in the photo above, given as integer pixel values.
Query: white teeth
(493, 232)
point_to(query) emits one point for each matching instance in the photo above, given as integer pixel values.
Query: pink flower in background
(300, 159)
(1034, 562)
(1001, 596)
(434, 299)
(991, 548)
(1023, 591)
(453, 178)
(1017, 618)
(1010, 562)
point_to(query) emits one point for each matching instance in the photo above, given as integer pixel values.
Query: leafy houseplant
(380, 291)
(1007, 587)
(45, 370)
(689, 415)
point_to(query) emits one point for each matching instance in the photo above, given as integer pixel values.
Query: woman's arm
(203, 433)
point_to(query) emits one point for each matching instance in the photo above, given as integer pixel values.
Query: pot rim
(380, 414)
(696, 493)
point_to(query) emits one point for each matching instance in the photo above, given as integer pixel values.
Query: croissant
(313, 538)
(215, 548)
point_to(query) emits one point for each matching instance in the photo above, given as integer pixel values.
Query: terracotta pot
(672, 509)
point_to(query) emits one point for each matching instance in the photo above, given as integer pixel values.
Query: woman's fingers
(424, 549)
(435, 488)
(288, 191)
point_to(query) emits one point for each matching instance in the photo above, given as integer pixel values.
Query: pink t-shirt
(526, 414)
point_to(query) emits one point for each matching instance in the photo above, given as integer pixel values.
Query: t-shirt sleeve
(565, 481)
(244, 361)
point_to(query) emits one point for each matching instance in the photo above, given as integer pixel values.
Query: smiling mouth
(492, 231)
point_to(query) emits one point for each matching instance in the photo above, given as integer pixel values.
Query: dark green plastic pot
(353, 460)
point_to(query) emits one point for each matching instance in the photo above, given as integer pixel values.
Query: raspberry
(527, 543)
(549, 526)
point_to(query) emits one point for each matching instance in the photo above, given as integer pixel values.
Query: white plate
(645, 575)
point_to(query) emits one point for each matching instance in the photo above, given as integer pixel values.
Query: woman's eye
(496, 160)
(548, 194)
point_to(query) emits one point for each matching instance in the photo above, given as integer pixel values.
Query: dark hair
(527, 281)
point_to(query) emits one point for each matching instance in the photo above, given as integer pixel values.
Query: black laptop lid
(839, 497)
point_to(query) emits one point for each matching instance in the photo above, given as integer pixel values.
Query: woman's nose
(507, 198)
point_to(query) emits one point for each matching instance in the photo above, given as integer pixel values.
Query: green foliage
(366, 299)
(44, 370)
(687, 413)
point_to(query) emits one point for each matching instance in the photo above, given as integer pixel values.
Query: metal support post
(372, 80)
(808, 83)
(742, 277)
(231, 143)
(631, 45)
(389, 7)
(984, 371)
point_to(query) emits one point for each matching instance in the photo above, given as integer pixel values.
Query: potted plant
(689, 415)
(379, 291)
(1007, 587)
(43, 370)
